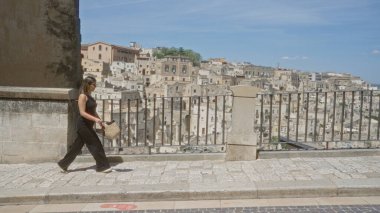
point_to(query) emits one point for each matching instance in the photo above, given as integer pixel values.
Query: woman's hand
(100, 122)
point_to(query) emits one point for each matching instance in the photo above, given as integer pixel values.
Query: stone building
(148, 67)
(96, 69)
(252, 71)
(176, 68)
(119, 67)
(108, 53)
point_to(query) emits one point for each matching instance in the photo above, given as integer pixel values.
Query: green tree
(162, 52)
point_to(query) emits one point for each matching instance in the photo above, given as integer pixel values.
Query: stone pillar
(36, 124)
(40, 43)
(39, 76)
(242, 141)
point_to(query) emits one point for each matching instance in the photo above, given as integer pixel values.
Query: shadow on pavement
(94, 168)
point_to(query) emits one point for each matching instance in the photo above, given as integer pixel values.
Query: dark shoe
(62, 169)
(105, 170)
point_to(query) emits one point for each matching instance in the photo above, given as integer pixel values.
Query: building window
(184, 69)
(172, 78)
(174, 69)
(166, 68)
(100, 47)
(100, 56)
(93, 48)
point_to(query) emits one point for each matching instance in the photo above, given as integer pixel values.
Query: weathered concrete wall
(242, 141)
(40, 43)
(36, 126)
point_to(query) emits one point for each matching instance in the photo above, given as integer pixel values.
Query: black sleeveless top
(90, 109)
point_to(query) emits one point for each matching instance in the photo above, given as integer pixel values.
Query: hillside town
(172, 101)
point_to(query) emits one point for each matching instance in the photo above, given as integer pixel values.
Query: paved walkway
(191, 180)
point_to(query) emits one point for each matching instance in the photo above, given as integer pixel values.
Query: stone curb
(177, 192)
(318, 153)
(156, 157)
(221, 156)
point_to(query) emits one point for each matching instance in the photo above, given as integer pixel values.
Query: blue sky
(307, 35)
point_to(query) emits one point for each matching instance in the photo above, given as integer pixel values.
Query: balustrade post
(242, 141)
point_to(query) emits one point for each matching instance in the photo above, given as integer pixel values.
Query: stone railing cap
(38, 93)
(245, 91)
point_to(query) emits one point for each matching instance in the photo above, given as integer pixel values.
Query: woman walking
(85, 131)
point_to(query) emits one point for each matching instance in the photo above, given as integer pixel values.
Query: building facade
(108, 53)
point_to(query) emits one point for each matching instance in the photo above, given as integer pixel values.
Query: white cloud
(294, 57)
(375, 52)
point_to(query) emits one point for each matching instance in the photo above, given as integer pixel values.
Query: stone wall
(36, 124)
(39, 74)
(40, 43)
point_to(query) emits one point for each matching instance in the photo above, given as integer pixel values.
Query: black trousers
(86, 135)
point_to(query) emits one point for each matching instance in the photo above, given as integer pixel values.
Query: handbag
(111, 130)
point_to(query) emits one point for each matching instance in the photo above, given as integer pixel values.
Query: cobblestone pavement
(276, 209)
(45, 175)
(191, 180)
